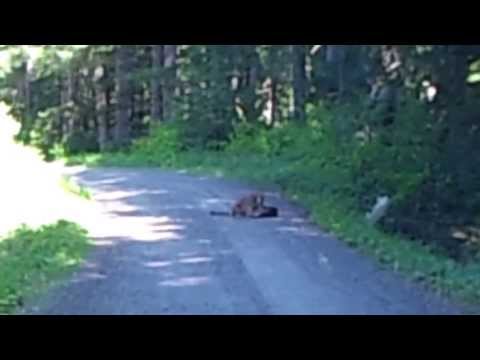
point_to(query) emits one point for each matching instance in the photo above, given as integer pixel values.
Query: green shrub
(31, 258)
(161, 147)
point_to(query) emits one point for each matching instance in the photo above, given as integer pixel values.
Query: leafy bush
(81, 142)
(31, 258)
(161, 147)
(396, 159)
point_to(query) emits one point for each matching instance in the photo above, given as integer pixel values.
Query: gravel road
(158, 251)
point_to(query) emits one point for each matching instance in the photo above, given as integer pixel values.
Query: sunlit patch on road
(186, 281)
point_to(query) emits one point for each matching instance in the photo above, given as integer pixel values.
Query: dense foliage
(358, 121)
(31, 258)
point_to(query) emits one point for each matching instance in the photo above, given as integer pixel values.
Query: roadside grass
(31, 259)
(70, 186)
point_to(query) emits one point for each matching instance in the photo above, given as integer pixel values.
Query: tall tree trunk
(101, 108)
(252, 111)
(341, 79)
(56, 130)
(27, 93)
(69, 100)
(143, 104)
(63, 110)
(73, 99)
(156, 111)
(102, 126)
(122, 136)
(139, 112)
(170, 79)
(336, 55)
(457, 73)
(299, 81)
(273, 101)
(23, 94)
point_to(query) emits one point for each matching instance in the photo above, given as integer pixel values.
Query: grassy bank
(30, 259)
(70, 186)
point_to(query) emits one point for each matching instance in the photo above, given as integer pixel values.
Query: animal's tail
(220, 213)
